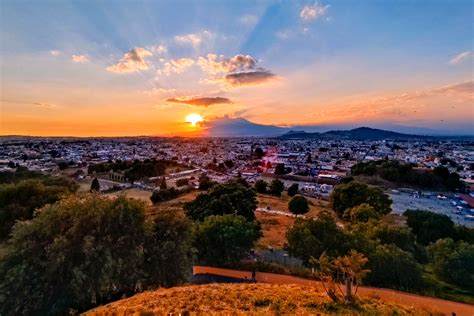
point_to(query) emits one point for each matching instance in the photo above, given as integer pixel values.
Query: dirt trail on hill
(443, 306)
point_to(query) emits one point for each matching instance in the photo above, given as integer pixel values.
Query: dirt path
(443, 306)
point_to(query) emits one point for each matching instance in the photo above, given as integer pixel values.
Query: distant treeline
(390, 170)
(135, 170)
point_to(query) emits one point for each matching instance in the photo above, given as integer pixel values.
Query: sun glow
(194, 119)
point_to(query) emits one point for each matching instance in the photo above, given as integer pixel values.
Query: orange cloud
(206, 101)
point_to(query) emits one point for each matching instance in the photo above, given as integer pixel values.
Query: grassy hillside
(238, 299)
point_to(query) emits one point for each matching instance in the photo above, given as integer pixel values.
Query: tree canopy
(81, 252)
(230, 198)
(348, 195)
(293, 189)
(225, 240)
(298, 205)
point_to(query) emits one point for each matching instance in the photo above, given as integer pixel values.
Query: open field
(281, 204)
(133, 193)
(274, 226)
(274, 229)
(244, 299)
(175, 204)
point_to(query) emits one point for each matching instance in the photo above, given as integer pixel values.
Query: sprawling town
(315, 165)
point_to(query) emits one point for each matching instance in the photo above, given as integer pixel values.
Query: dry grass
(174, 204)
(246, 299)
(134, 193)
(274, 229)
(281, 204)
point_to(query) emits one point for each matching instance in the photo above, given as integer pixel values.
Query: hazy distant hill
(240, 127)
(361, 133)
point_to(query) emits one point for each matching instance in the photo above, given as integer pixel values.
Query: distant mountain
(360, 133)
(240, 127)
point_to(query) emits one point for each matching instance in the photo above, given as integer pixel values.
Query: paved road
(397, 297)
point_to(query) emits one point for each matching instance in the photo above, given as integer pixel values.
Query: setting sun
(194, 119)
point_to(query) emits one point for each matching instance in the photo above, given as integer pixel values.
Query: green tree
(393, 268)
(261, 186)
(258, 152)
(361, 213)
(428, 226)
(19, 201)
(280, 169)
(168, 249)
(82, 252)
(348, 195)
(311, 238)
(276, 187)
(95, 185)
(298, 205)
(453, 261)
(225, 240)
(182, 182)
(205, 183)
(230, 198)
(293, 189)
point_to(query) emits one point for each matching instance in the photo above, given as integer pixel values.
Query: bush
(348, 195)
(393, 268)
(79, 253)
(453, 261)
(225, 240)
(164, 195)
(182, 182)
(230, 198)
(298, 205)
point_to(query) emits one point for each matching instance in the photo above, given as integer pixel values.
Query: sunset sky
(114, 68)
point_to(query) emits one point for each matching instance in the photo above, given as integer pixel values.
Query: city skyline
(123, 68)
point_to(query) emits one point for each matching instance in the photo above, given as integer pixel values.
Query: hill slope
(238, 299)
(360, 133)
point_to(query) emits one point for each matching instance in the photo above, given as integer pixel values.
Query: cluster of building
(316, 164)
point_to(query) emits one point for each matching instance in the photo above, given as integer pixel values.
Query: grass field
(245, 299)
(274, 227)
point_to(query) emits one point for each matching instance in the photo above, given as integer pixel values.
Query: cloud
(194, 39)
(80, 59)
(213, 63)
(160, 49)
(249, 78)
(460, 58)
(312, 12)
(55, 52)
(462, 88)
(248, 20)
(176, 66)
(240, 70)
(132, 61)
(205, 101)
(45, 105)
